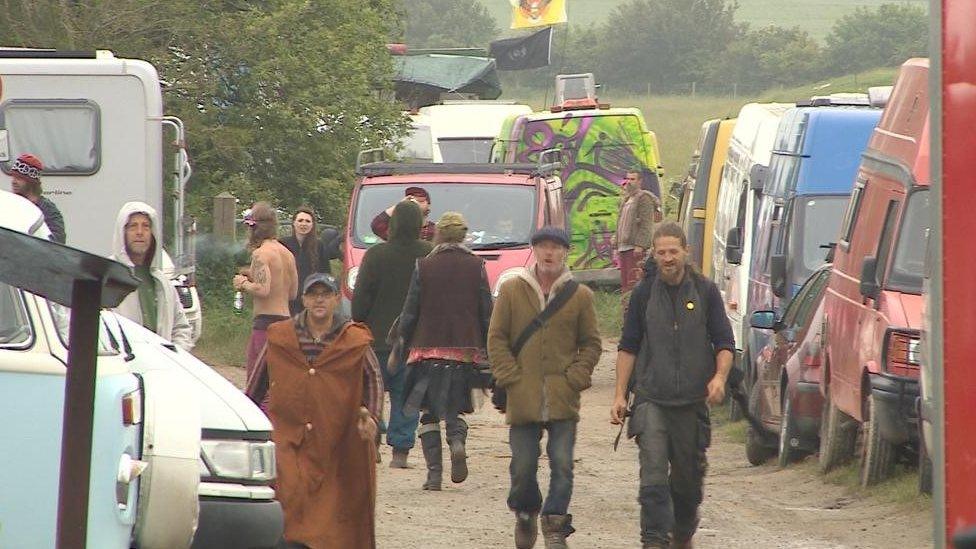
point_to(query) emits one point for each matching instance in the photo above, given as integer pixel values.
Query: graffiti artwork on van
(601, 150)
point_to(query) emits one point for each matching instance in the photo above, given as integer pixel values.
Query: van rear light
(132, 408)
(902, 353)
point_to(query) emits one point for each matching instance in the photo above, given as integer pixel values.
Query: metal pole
(79, 412)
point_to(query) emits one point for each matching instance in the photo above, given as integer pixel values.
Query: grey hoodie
(171, 322)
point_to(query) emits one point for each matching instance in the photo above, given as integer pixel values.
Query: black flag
(527, 52)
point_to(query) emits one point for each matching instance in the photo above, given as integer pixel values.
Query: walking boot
(431, 444)
(459, 460)
(526, 529)
(684, 543)
(399, 460)
(555, 528)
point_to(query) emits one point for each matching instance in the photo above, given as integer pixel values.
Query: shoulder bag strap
(552, 308)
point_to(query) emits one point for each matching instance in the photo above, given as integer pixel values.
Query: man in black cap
(419, 195)
(543, 370)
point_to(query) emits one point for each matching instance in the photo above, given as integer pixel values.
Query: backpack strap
(560, 299)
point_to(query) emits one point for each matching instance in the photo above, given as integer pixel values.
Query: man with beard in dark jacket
(381, 288)
(674, 355)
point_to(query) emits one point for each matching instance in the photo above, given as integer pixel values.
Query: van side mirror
(869, 278)
(733, 246)
(777, 274)
(764, 320)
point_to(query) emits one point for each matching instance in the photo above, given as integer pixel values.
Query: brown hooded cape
(326, 471)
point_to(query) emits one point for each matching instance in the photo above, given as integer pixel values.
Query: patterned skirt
(442, 387)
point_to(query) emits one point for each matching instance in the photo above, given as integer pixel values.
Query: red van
(872, 308)
(502, 203)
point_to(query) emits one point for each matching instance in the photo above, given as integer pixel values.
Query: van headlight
(247, 460)
(506, 275)
(351, 278)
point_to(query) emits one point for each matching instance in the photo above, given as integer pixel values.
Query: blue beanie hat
(554, 234)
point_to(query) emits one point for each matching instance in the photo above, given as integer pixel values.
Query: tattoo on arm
(260, 277)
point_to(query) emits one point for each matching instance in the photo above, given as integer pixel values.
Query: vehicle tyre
(877, 454)
(838, 435)
(735, 411)
(758, 448)
(789, 438)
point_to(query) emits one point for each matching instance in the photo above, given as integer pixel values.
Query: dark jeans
(525, 443)
(401, 430)
(672, 443)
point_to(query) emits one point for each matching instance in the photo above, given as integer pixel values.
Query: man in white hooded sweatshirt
(155, 304)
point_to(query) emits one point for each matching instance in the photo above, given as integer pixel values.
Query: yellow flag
(537, 13)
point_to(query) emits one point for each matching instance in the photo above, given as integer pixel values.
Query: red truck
(873, 303)
(502, 203)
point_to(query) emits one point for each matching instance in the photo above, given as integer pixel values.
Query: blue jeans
(525, 443)
(401, 430)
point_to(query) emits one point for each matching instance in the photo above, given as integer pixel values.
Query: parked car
(600, 145)
(872, 309)
(145, 439)
(698, 193)
(743, 176)
(502, 203)
(814, 163)
(786, 396)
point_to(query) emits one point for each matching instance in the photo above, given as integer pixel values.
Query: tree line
(666, 45)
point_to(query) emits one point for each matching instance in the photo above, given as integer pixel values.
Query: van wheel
(789, 439)
(838, 435)
(758, 449)
(735, 411)
(877, 454)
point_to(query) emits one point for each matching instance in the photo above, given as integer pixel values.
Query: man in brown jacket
(326, 398)
(543, 383)
(639, 210)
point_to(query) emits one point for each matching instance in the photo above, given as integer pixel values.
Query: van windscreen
(498, 216)
(908, 265)
(819, 219)
(467, 150)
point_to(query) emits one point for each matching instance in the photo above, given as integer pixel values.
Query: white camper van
(97, 124)
(458, 131)
(746, 166)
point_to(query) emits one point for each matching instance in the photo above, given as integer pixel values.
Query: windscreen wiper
(498, 245)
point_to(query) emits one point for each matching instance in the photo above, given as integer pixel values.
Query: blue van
(812, 170)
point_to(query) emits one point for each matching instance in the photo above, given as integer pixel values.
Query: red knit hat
(417, 191)
(28, 166)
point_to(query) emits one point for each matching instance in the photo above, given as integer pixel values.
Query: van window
(817, 226)
(498, 216)
(63, 133)
(887, 234)
(909, 262)
(15, 326)
(62, 321)
(466, 150)
(418, 145)
(853, 207)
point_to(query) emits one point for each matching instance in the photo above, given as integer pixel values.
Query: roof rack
(836, 100)
(550, 161)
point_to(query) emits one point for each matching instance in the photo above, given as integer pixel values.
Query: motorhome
(599, 144)
(97, 123)
(743, 177)
(698, 193)
(458, 131)
(873, 304)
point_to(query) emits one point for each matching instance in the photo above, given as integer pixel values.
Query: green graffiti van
(600, 145)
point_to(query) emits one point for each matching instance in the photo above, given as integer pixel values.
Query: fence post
(224, 217)
(693, 84)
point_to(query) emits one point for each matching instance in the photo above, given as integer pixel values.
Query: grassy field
(813, 16)
(677, 119)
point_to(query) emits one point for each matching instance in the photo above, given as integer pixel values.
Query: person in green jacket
(543, 384)
(381, 288)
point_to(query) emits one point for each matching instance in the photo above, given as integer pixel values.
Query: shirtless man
(272, 278)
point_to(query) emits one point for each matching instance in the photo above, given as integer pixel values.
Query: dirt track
(747, 507)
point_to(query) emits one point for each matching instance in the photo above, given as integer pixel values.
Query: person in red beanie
(381, 223)
(25, 180)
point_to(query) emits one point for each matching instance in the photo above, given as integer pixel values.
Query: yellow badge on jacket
(690, 305)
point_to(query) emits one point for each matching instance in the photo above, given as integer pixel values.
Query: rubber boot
(399, 460)
(555, 528)
(431, 444)
(459, 460)
(526, 529)
(682, 544)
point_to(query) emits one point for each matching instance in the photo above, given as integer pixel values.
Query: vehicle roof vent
(879, 95)
(575, 91)
(836, 100)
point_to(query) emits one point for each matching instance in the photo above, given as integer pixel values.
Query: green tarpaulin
(422, 79)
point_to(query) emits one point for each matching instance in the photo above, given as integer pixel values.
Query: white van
(458, 131)
(97, 124)
(743, 175)
(152, 418)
